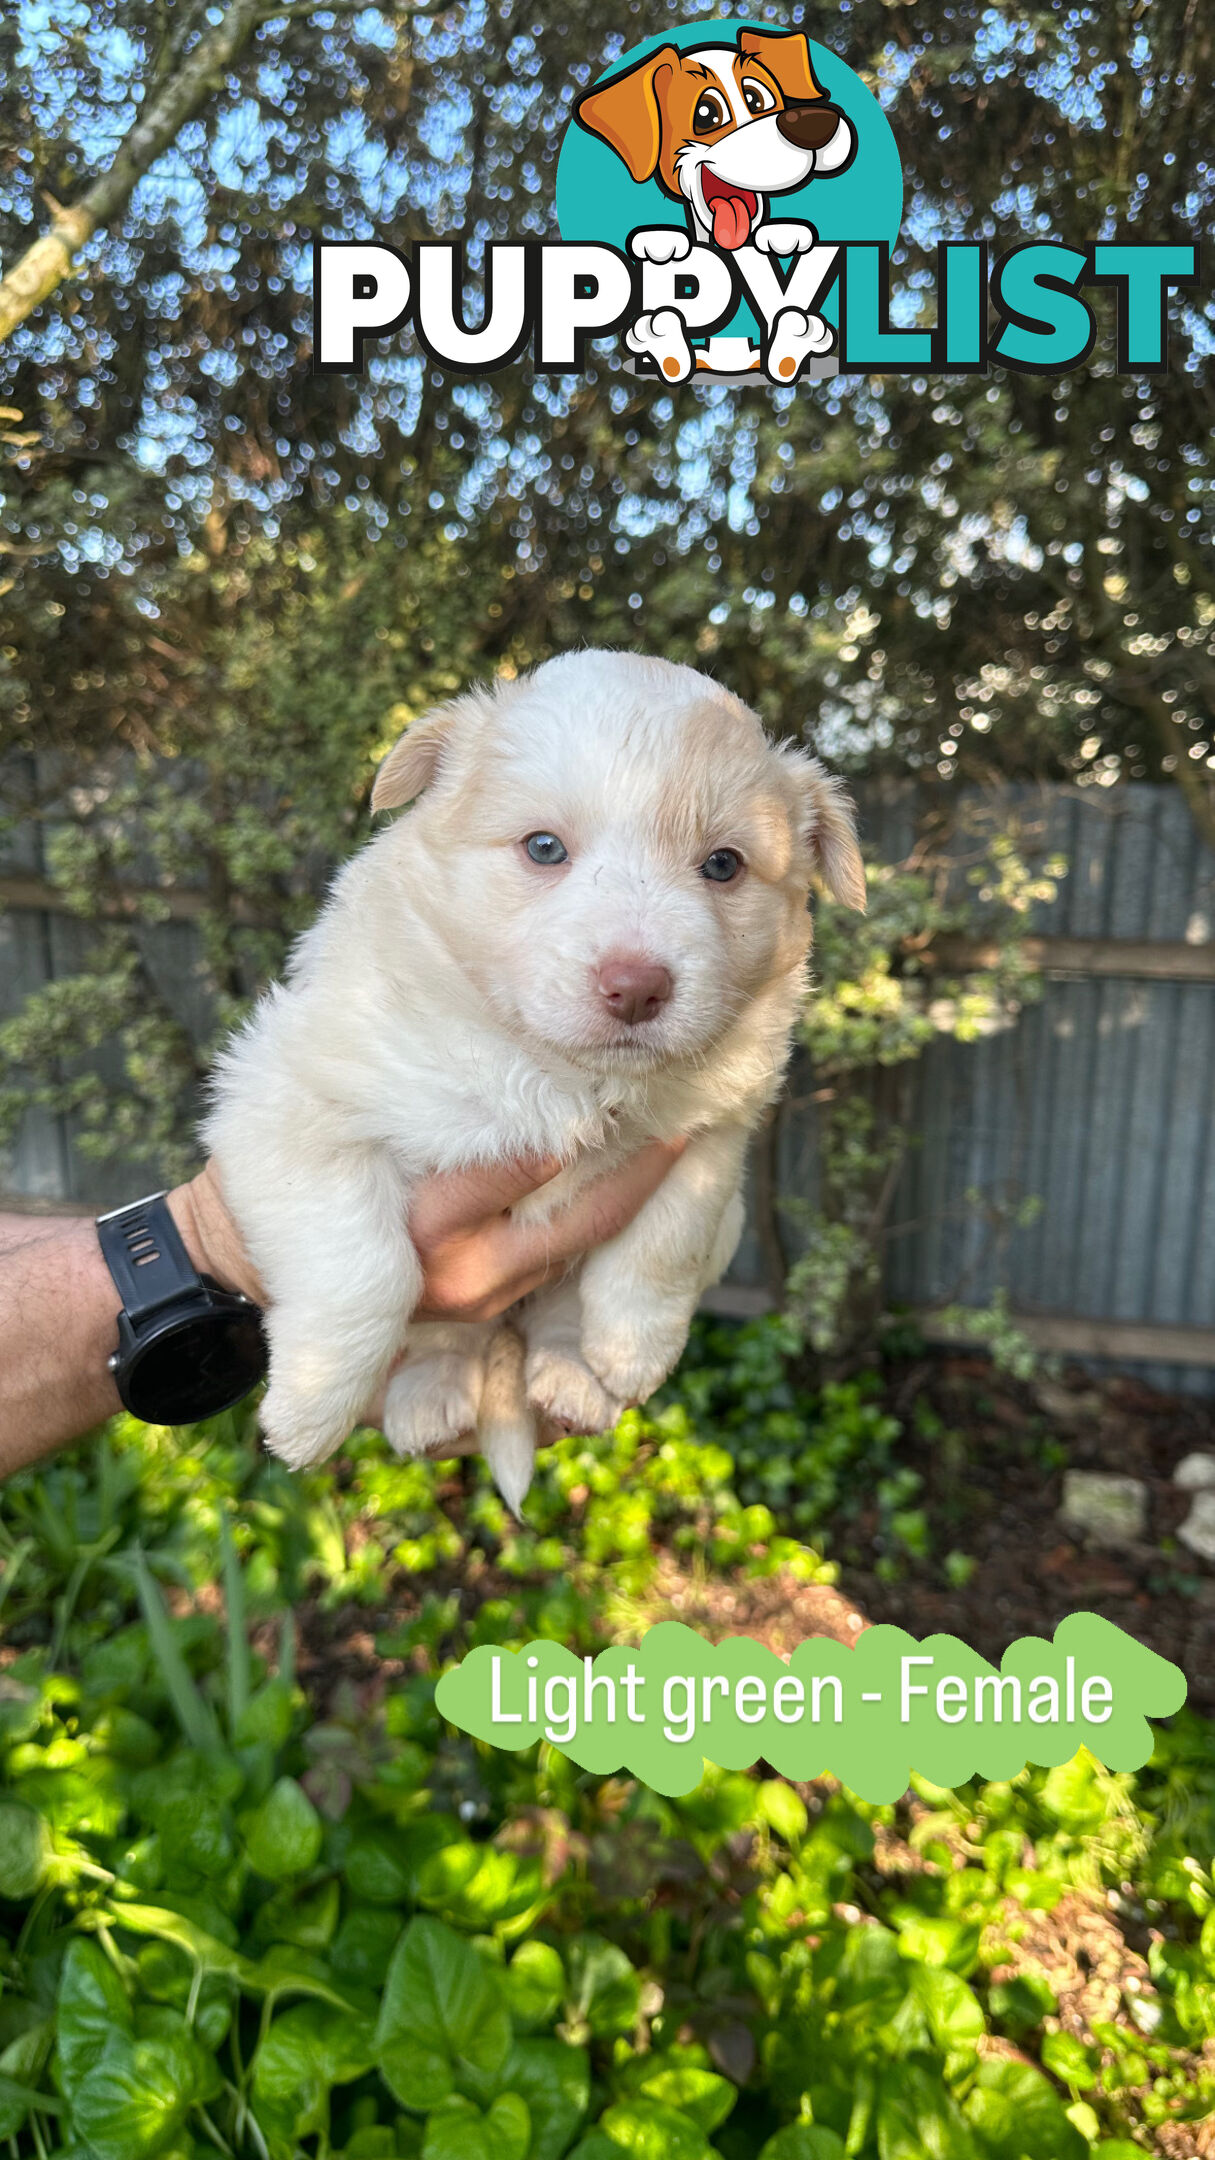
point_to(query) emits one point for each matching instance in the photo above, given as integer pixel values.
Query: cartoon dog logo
(723, 128)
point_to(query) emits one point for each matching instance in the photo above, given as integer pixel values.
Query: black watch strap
(145, 1256)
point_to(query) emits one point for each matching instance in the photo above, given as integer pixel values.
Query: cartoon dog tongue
(731, 210)
(731, 221)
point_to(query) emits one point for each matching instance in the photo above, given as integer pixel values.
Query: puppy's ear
(627, 114)
(828, 823)
(411, 764)
(786, 55)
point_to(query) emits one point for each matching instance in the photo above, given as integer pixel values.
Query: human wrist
(211, 1238)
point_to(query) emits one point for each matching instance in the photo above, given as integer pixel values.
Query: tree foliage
(227, 580)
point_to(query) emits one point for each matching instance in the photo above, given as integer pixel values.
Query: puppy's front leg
(559, 1380)
(325, 1225)
(639, 1292)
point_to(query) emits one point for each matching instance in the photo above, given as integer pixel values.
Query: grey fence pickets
(1099, 1101)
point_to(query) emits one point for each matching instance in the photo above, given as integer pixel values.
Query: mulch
(992, 1489)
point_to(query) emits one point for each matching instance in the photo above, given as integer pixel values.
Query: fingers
(459, 1201)
(598, 1213)
(475, 1271)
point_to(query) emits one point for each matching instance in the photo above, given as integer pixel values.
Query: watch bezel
(142, 1346)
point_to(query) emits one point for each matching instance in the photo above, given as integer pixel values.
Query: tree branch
(161, 118)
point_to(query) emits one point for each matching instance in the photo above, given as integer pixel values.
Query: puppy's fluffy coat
(448, 1008)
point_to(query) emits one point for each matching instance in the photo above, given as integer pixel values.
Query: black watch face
(199, 1366)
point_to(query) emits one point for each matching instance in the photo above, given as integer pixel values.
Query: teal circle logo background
(597, 199)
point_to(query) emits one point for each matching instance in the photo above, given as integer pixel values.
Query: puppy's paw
(632, 1360)
(660, 244)
(430, 1402)
(784, 239)
(662, 338)
(568, 1394)
(302, 1428)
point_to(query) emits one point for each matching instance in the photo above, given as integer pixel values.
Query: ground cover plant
(256, 1899)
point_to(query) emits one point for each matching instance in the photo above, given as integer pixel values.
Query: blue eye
(721, 866)
(544, 847)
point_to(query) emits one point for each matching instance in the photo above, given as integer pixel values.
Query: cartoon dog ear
(786, 55)
(828, 823)
(412, 763)
(626, 112)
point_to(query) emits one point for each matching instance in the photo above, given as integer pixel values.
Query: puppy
(723, 127)
(589, 930)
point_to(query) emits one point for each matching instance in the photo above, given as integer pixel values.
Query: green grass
(256, 1901)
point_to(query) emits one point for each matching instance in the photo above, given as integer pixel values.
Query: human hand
(476, 1258)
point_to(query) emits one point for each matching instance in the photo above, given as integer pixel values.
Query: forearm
(60, 1312)
(61, 1323)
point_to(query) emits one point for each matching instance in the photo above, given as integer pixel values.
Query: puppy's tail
(506, 1425)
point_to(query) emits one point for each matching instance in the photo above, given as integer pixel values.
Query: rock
(1195, 1471)
(1104, 1508)
(1197, 1532)
(1065, 1406)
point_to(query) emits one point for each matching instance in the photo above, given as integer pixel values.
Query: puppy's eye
(544, 847)
(721, 866)
(756, 96)
(711, 112)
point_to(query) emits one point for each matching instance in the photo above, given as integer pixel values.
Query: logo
(728, 198)
(731, 162)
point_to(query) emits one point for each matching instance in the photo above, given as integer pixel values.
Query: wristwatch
(187, 1349)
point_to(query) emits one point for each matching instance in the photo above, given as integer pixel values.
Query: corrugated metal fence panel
(1098, 1103)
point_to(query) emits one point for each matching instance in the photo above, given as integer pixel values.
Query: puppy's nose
(808, 126)
(633, 988)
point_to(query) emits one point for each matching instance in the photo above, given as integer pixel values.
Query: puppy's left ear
(828, 823)
(411, 765)
(786, 55)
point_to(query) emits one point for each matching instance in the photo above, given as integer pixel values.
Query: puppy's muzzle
(808, 127)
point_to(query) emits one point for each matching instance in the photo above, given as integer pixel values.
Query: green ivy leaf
(535, 1984)
(953, 2011)
(442, 2008)
(135, 2097)
(24, 1851)
(456, 2130)
(509, 2127)
(307, 2049)
(1016, 2112)
(700, 2094)
(784, 1810)
(803, 2141)
(555, 2082)
(92, 2007)
(377, 1867)
(363, 1946)
(605, 1991)
(203, 1949)
(916, 2118)
(1069, 2059)
(284, 1836)
(266, 1718)
(653, 2132)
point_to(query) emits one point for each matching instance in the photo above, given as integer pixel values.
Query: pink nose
(633, 988)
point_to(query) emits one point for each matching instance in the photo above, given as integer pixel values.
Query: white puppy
(590, 930)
